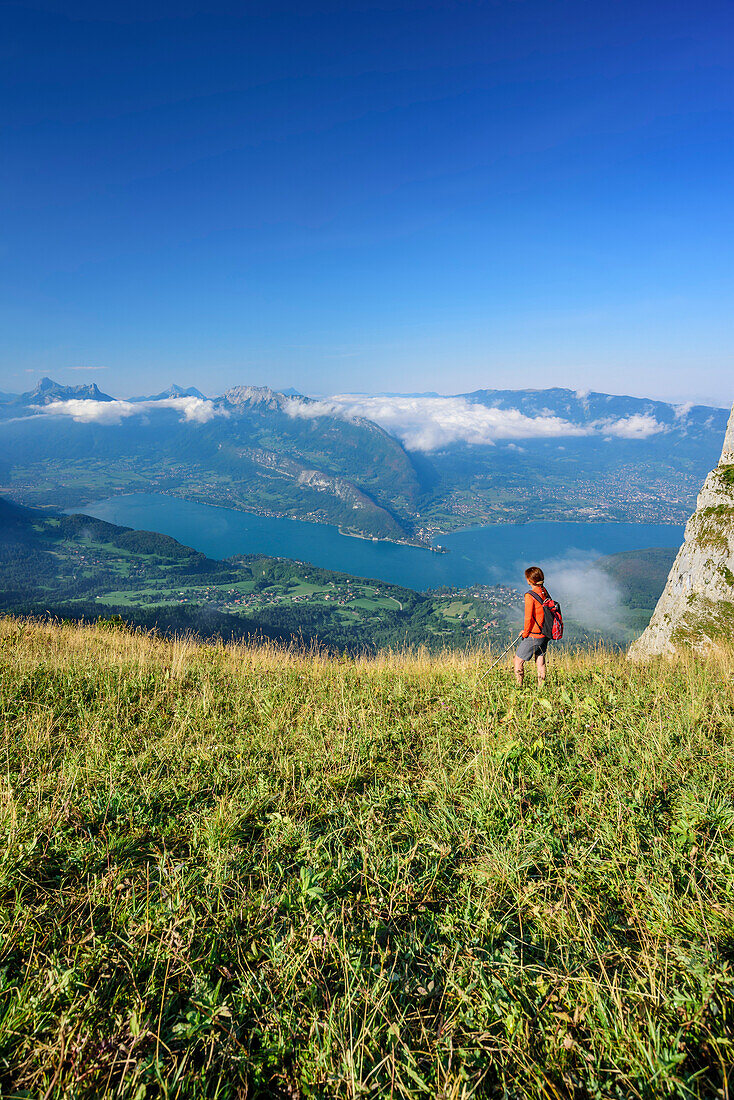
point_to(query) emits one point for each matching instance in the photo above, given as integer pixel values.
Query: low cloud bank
(588, 596)
(84, 411)
(638, 426)
(429, 423)
(421, 423)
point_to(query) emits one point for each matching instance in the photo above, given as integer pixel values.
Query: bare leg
(540, 666)
(519, 670)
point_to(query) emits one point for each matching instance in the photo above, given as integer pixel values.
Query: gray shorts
(530, 648)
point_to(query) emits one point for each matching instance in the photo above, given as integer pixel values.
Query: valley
(524, 455)
(84, 568)
(81, 568)
(218, 480)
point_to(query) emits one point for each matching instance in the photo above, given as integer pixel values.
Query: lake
(478, 555)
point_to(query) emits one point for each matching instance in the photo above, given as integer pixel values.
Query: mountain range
(48, 391)
(402, 467)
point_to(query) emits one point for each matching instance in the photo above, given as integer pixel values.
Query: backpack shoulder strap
(535, 596)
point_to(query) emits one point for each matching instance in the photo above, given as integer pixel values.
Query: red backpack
(552, 617)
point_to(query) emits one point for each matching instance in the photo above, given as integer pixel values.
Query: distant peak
(249, 393)
(255, 396)
(175, 390)
(48, 390)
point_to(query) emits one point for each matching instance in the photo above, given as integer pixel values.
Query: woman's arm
(529, 615)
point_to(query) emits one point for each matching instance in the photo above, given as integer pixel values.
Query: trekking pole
(500, 658)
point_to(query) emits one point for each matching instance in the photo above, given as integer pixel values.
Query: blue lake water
(478, 555)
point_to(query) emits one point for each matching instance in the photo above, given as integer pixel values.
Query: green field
(242, 872)
(80, 567)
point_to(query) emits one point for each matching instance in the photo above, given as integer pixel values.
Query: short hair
(534, 574)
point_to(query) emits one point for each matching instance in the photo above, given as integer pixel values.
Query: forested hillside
(84, 568)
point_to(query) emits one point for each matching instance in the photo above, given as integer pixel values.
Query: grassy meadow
(241, 872)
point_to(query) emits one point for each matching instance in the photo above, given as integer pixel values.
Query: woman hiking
(543, 621)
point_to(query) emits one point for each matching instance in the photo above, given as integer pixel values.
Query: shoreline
(394, 542)
(318, 523)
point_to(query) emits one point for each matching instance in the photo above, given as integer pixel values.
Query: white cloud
(422, 423)
(89, 412)
(582, 396)
(193, 408)
(586, 593)
(85, 411)
(682, 411)
(637, 426)
(589, 597)
(428, 423)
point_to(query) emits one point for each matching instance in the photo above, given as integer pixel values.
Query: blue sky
(369, 196)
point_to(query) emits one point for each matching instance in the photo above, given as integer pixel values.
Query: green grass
(239, 872)
(130, 599)
(456, 609)
(726, 475)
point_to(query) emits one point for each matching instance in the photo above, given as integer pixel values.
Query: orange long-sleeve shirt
(534, 613)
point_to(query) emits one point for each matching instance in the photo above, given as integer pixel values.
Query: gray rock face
(253, 396)
(48, 391)
(696, 608)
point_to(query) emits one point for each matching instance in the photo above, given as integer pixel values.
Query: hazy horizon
(76, 378)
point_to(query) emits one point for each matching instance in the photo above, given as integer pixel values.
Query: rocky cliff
(697, 605)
